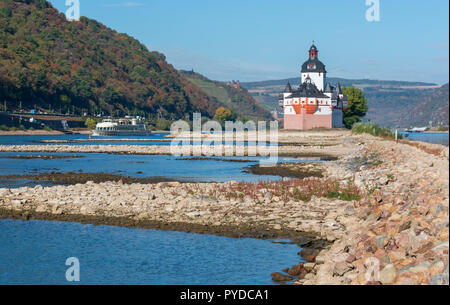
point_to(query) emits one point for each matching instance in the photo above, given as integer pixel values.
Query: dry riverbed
(381, 201)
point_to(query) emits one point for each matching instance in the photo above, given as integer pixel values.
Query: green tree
(90, 123)
(356, 108)
(163, 124)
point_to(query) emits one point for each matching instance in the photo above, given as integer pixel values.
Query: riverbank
(41, 132)
(400, 234)
(380, 200)
(30, 133)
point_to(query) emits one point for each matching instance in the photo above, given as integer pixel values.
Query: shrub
(163, 124)
(374, 130)
(90, 123)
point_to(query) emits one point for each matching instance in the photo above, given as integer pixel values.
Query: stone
(309, 255)
(350, 258)
(296, 270)
(405, 226)
(422, 267)
(56, 210)
(342, 268)
(383, 180)
(440, 279)
(309, 266)
(268, 195)
(193, 214)
(388, 274)
(382, 241)
(350, 210)
(280, 277)
(41, 209)
(373, 217)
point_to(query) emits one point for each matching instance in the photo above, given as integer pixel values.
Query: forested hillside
(237, 99)
(408, 107)
(83, 65)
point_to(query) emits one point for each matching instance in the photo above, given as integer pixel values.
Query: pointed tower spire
(339, 89)
(288, 88)
(328, 87)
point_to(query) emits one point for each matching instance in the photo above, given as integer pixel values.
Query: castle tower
(314, 68)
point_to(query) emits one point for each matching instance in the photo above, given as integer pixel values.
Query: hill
(237, 99)
(391, 103)
(84, 66)
(413, 107)
(342, 81)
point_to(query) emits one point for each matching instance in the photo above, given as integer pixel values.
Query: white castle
(315, 103)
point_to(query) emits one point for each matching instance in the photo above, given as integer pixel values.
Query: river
(35, 252)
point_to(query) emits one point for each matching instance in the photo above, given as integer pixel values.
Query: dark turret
(339, 89)
(288, 88)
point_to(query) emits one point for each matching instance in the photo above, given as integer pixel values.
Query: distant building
(315, 103)
(276, 115)
(234, 84)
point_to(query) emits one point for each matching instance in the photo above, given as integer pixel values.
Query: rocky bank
(399, 232)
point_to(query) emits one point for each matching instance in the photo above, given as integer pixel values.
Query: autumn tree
(224, 114)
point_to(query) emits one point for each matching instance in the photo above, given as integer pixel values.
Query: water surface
(430, 137)
(132, 165)
(35, 252)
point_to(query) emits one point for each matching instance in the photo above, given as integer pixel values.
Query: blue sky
(261, 40)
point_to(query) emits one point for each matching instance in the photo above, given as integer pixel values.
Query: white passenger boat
(122, 127)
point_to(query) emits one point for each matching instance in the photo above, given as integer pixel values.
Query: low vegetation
(13, 128)
(294, 189)
(374, 130)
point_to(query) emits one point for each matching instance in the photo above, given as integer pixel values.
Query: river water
(35, 252)
(430, 137)
(166, 166)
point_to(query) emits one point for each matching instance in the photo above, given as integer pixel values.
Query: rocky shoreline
(71, 178)
(400, 231)
(381, 203)
(288, 151)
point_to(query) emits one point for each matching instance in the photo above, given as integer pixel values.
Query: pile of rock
(401, 236)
